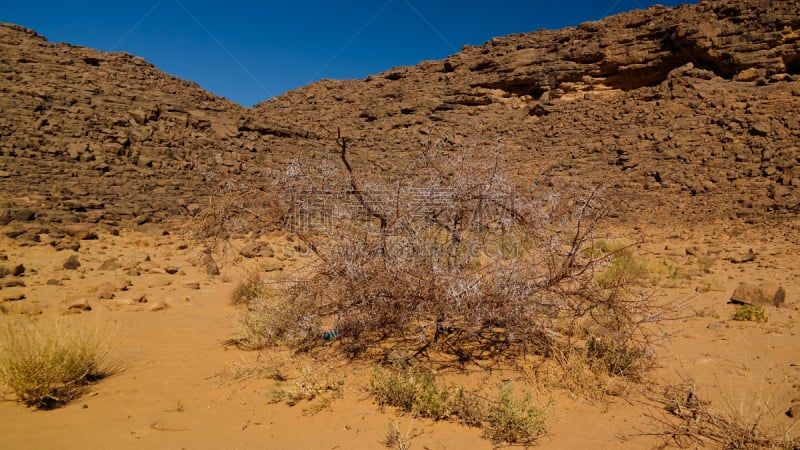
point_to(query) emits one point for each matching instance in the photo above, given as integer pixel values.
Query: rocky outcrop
(639, 49)
(106, 137)
(687, 113)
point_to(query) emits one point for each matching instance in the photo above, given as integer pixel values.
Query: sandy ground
(179, 386)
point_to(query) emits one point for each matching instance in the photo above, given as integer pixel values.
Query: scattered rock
(79, 305)
(746, 257)
(12, 295)
(105, 291)
(794, 411)
(25, 309)
(760, 128)
(110, 264)
(81, 232)
(172, 270)
(765, 294)
(5, 217)
(693, 251)
(14, 283)
(25, 215)
(159, 282)
(192, 284)
(15, 233)
(121, 284)
(158, 305)
(257, 249)
(272, 266)
(209, 264)
(67, 245)
(18, 270)
(72, 263)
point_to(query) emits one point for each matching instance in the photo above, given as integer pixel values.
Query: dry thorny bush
(687, 421)
(450, 255)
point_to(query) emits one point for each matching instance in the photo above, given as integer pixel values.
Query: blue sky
(249, 51)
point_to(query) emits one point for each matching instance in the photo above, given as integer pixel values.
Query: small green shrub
(601, 247)
(672, 275)
(413, 390)
(468, 407)
(48, 364)
(509, 418)
(431, 400)
(515, 420)
(615, 358)
(396, 388)
(750, 313)
(625, 268)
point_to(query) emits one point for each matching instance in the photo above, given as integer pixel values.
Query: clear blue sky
(249, 51)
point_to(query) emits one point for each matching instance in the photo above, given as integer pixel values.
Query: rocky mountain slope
(106, 137)
(693, 110)
(690, 112)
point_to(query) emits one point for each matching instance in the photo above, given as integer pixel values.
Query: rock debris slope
(687, 113)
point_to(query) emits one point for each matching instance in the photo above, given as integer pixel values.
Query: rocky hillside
(689, 112)
(692, 111)
(106, 137)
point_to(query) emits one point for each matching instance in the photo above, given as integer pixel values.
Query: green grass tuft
(515, 420)
(750, 313)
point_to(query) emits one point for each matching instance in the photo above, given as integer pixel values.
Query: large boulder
(764, 294)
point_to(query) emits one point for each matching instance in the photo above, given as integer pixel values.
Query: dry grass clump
(248, 290)
(396, 440)
(49, 363)
(627, 267)
(273, 317)
(311, 384)
(617, 359)
(693, 423)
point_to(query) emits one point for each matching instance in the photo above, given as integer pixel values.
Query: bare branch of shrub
(689, 421)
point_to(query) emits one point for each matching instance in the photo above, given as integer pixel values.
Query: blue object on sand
(330, 335)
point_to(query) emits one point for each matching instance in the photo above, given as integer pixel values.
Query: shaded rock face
(640, 49)
(685, 113)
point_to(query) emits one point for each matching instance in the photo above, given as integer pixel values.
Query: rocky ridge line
(688, 113)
